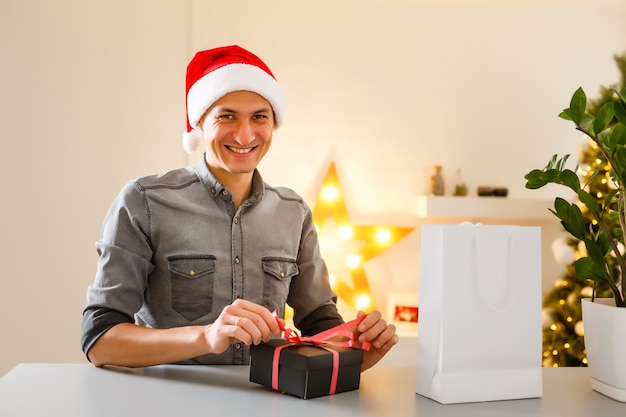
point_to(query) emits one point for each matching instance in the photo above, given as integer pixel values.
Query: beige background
(92, 95)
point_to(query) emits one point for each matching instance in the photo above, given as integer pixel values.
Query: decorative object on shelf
(500, 192)
(604, 262)
(354, 245)
(437, 184)
(460, 188)
(485, 191)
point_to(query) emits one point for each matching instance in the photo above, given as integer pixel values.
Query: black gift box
(305, 370)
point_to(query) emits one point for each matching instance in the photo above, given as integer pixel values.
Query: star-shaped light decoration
(347, 247)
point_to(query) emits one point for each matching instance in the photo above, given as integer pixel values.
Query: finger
(370, 320)
(379, 334)
(260, 315)
(253, 319)
(246, 327)
(386, 339)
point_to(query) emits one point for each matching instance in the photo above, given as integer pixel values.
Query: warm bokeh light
(330, 193)
(345, 232)
(363, 302)
(353, 261)
(383, 236)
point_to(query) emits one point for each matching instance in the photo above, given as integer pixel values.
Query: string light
(353, 261)
(330, 193)
(383, 236)
(345, 232)
(362, 302)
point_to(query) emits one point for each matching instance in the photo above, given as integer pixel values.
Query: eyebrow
(229, 110)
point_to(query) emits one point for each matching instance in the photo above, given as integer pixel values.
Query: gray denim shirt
(174, 251)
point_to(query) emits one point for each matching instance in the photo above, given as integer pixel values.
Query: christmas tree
(563, 330)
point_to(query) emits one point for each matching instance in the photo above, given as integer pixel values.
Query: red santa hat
(213, 73)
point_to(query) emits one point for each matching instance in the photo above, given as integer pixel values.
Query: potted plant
(604, 319)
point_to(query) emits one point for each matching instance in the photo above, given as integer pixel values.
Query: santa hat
(213, 73)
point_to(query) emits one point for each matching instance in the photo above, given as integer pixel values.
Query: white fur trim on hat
(234, 77)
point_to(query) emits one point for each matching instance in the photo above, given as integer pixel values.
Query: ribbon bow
(325, 337)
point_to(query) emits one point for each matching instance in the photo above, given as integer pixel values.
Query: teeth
(240, 150)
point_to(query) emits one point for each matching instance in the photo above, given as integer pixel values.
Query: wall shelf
(433, 207)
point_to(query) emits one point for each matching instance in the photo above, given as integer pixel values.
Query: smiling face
(237, 130)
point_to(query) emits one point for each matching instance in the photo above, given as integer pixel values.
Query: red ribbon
(343, 330)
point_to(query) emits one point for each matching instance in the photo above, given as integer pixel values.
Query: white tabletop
(68, 390)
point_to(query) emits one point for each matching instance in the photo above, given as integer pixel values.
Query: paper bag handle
(479, 276)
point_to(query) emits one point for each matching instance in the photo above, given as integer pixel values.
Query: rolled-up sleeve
(124, 253)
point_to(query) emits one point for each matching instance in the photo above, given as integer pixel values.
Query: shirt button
(238, 346)
(224, 192)
(213, 190)
(236, 259)
(282, 274)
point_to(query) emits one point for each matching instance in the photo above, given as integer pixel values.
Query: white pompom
(563, 253)
(579, 328)
(192, 141)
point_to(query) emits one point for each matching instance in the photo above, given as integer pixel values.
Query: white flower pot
(605, 342)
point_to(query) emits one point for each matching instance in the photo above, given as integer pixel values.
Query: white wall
(92, 95)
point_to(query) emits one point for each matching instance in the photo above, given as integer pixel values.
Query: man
(193, 262)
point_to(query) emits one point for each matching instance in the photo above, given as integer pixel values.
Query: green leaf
(621, 94)
(587, 268)
(535, 179)
(570, 179)
(588, 200)
(577, 106)
(609, 199)
(571, 217)
(620, 158)
(561, 162)
(618, 134)
(565, 115)
(594, 251)
(607, 139)
(620, 112)
(586, 123)
(603, 244)
(603, 118)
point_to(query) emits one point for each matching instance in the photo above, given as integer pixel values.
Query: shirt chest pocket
(192, 280)
(277, 276)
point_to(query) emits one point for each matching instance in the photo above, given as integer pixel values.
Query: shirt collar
(217, 188)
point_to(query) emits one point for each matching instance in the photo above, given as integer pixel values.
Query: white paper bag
(479, 332)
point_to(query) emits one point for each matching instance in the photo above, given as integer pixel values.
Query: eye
(226, 116)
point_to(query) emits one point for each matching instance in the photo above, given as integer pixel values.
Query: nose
(245, 133)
